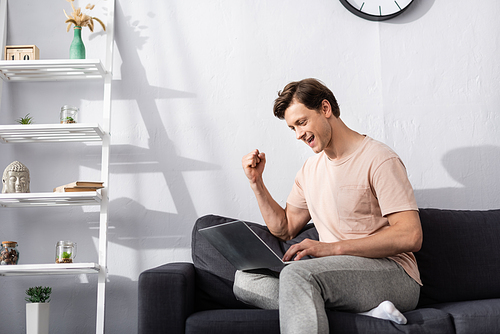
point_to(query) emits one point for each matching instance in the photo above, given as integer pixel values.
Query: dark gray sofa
(459, 264)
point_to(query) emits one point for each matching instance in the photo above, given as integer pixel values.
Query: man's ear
(326, 108)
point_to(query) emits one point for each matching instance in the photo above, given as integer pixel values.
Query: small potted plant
(68, 114)
(69, 119)
(65, 251)
(65, 257)
(38, 310)
(25, 120)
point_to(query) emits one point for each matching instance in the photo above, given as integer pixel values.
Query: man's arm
(403, 235)
(282, 223)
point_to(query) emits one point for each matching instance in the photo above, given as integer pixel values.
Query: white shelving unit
(63, 70)
(49, 199)
(52, 70)
(35, 133)
(51, 269)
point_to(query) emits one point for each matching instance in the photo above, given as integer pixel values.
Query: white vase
(37, 318)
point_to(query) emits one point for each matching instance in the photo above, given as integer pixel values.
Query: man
(357, 193)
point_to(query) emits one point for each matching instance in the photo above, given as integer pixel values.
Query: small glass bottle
(65, 251)
(68, 114)
(8, 253)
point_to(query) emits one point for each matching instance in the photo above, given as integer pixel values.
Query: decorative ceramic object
(77, 48)
(80, 19)
(16, 178)
(37, 318)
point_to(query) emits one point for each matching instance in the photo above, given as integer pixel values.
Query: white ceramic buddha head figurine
(16, 178)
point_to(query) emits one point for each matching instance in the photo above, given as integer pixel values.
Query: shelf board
(49, 269)
(50, 199)
(52, 70)
(50, 133)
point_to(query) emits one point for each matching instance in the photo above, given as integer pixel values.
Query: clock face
(376, 10)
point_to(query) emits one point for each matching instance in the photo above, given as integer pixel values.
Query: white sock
(387, 311)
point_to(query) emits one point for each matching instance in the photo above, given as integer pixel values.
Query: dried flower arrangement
(80, 19)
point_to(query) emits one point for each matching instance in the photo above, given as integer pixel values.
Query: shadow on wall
(476, 169)
(132, 224)
(417, 9)
(160, 157)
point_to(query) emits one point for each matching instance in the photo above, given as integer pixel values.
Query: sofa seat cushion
(255, 321)
(478, 316)
(231, 321)
(426, 320)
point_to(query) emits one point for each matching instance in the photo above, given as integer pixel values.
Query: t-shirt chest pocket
(354, 208)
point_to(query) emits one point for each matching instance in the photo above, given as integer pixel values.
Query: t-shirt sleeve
(392, 187)
(297, 197)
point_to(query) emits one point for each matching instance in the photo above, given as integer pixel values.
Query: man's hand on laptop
(309, 247)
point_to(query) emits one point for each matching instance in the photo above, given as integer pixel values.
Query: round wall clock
(376, 10)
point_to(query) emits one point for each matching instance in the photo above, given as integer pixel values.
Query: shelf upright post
(103, 220)
(3, 35)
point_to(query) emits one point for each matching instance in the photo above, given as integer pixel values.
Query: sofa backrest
(460, 255)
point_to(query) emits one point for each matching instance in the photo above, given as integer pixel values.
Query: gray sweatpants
(305, 288)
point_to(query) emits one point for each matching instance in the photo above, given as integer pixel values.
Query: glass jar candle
(68, 114)
(65, 251)
(9, 253)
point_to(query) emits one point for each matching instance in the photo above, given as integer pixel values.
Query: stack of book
(79, 186)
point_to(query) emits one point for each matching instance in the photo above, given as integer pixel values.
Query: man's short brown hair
(309, 92)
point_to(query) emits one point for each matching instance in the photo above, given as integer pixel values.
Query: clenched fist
(253, 164)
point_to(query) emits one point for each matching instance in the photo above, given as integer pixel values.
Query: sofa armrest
(166, 298)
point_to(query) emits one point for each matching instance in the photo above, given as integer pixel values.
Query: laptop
(242, 247)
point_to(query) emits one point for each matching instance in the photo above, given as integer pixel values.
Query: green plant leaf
(25, 120)
(38, 294)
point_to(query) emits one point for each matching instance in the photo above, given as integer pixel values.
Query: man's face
(309, 125)
(17, 182)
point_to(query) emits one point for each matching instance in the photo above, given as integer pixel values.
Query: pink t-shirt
(350, 198)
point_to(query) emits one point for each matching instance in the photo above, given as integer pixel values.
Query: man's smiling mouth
(310, 140)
